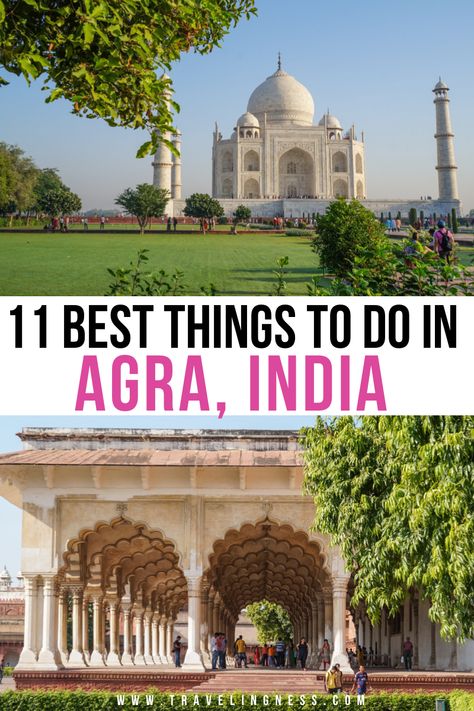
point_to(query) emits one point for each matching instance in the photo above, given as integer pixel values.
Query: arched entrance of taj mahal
(128, 532)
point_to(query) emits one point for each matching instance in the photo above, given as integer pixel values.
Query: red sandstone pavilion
(130, 536)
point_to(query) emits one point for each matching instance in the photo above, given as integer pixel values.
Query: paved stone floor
(231, 679)
(8, 683)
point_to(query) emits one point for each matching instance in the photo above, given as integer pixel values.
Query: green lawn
(76, 264)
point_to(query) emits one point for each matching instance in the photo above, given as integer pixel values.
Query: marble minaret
(446, 167)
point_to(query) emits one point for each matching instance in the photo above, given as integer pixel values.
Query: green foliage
(242, 214)
(203, 207)
(295, 232)
(18, 175)
(134, 281)
(408, 268)
(344, 232)
(59, 201)
(107, 701)
(144, 202)
(412, 216)
(108, 57)
(454, 221)
(280, 286)
(397, 495)
(270, 620)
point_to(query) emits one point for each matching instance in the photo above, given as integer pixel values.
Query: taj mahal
(278, 161)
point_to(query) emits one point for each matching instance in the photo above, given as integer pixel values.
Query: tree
(144, 202)
(203, 207)
(271, 621)
(108, 58)
(47, 179)
(59, 201)
(412, 216)
(343, 232)
(242, 214)
(454, 220)
(18, 175)
(397, 495)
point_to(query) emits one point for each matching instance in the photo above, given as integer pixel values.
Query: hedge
(108, 701)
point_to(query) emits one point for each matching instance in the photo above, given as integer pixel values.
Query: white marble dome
(248, 120)
(283, 99)
(331, 121)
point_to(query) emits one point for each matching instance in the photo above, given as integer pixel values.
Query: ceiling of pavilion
(267, 561)
(123, 559)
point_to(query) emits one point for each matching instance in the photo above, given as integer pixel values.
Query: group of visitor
(442, 242)
(171, 222)
(334, 681)
(58, 224)
(218, 651)
(393, 225)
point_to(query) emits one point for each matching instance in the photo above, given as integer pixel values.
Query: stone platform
(245, 680)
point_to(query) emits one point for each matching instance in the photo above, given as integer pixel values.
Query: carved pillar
(416, 631)
(204, 621)
(328, 617)
(216, 614)
(76, 658)
(147, 637)
(193, 658)
(339, 595)
(85, 628)
(97, 656)
(210, 618)
(320, 603)
(113, 659)
(28, 654)
(62, 625)
(169, 639)
(49, 657)
(155, 621)
(432, 659)
(162, 639)
(139, 659)
(127, 658)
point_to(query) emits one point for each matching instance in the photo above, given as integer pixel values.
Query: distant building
(12, 612)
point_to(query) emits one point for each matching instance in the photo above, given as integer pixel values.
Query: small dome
(441, 86)
(331, 121)
(248, 120)
(5, 575)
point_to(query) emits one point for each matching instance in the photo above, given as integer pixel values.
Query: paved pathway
(7, 684)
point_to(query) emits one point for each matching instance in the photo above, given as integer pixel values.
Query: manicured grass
(76, 264)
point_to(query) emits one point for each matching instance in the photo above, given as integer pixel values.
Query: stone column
(204, 622)
(147, 637)
(416, 629)
(210, 618)
(49, 657)
(193, 659)
(127, 658)
(339, 594)
(85, 629)
(162, 639)
(97, 656)
(38, 632)
(328, 617)
(169, 640)
(139, 659)
(76, 658)
(62, 626)
(113, 659)
(432, 659)
(216, 614)
(28, 654)
(155, 621)
(314, 633)
(320, 622)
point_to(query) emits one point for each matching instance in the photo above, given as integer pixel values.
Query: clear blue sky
(373, 64)
(10, 516)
